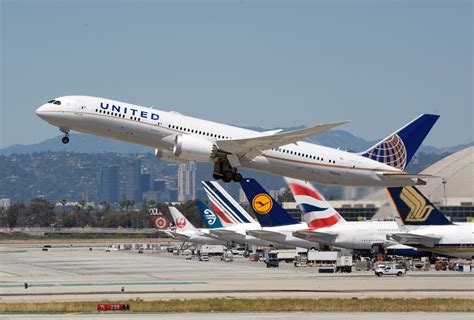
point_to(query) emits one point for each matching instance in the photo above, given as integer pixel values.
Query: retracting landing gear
(223, 170)
(65, 139)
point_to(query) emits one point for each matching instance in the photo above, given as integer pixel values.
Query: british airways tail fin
(414, 208)
(182, 224)
(269, 213)
(210, 218)
(227, 209)
(316, 211)
(398, 149)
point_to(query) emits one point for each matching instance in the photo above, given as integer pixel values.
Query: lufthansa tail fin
(268, 211)
(316, 211)
(414, 208)
(182, 224)
(210, 219)
(398, 149)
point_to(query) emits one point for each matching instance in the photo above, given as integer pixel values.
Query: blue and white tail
(210, 219)
(316, 211)
(398, 149)
(269, 213)
(228, 210)
(414, 208)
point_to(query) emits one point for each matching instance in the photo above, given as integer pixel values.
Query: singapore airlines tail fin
(268, 211)
(228, 210)
(210, 219)
(398, 149)
(414, 208)
(317, 212)
(182, 224)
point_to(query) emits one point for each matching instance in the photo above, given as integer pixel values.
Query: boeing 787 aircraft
(180, 138)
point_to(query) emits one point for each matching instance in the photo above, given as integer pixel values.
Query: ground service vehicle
(390, 269)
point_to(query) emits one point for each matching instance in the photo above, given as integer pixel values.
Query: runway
(78, 274)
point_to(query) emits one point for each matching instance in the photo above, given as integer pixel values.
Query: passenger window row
(302, 155)
(195, 131)
(115, 114)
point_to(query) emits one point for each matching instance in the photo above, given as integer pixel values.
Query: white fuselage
(456, 240)
(158, 129)
(284, 235)
(359, 235)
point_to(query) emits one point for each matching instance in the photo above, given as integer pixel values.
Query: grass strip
(257, 305)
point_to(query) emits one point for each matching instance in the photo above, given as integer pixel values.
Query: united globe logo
(391, 151)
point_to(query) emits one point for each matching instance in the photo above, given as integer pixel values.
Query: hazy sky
(376, 63)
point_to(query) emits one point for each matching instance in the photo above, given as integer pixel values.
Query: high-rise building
(187, 181)
(159, 185)
(131, 187)
(109, 184)
(145, 182)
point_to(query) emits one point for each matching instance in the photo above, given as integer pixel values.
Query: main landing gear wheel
(237, 177)
(227, 176)
(65, 140)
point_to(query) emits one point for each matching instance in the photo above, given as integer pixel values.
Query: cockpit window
(51, 101)
(57, 102)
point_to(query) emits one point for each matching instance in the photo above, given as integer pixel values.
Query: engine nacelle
(168, 155)
(192, 148)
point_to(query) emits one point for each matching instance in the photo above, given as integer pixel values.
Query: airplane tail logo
(419, 210)
(316, 211)
(158, 219)
(399, 148)
(210, 216)
(390, 151)
(414, 208)
(262, 203)
(180, 223)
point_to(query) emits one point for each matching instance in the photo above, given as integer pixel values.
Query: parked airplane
(329, 228)
(276, 224)
(235, 219)
(185, 231)
(179, 138)
(427, 228)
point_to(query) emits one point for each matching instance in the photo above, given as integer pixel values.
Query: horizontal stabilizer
(416, 239)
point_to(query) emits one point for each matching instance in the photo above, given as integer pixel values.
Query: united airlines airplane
(180, 138)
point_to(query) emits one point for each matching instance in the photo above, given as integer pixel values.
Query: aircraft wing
(221, 232)
(316, 236)
(251, 147)
(413, 239)
(267, 235)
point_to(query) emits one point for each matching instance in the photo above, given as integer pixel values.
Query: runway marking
(234, 291)
(98, 284)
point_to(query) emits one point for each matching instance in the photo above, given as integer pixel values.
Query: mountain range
(93, 144)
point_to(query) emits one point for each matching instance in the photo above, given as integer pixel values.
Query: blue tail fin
(414, 208)
(398, 149)
(268, 212)
(210, 218)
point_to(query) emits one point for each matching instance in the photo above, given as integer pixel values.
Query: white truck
(394, 269)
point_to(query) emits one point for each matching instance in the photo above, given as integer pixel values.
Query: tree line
(39, 212)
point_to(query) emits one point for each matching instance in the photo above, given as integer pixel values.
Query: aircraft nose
(41, 111)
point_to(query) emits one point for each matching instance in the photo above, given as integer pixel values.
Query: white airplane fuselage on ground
(180, 138)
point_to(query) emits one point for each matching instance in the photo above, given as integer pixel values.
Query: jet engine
(193, 148)
(168, 155)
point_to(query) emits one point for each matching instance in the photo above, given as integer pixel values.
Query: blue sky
(376, 63)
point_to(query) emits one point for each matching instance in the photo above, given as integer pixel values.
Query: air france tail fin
(398, 149)
(228, 210)
(268, 211)
(182, 224)
(316, 211)
(158, 220)
(210, 218)
(414, 208)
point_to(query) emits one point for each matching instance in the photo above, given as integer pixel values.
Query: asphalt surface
(77, 274)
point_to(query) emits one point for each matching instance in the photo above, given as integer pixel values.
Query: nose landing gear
(65, 139)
